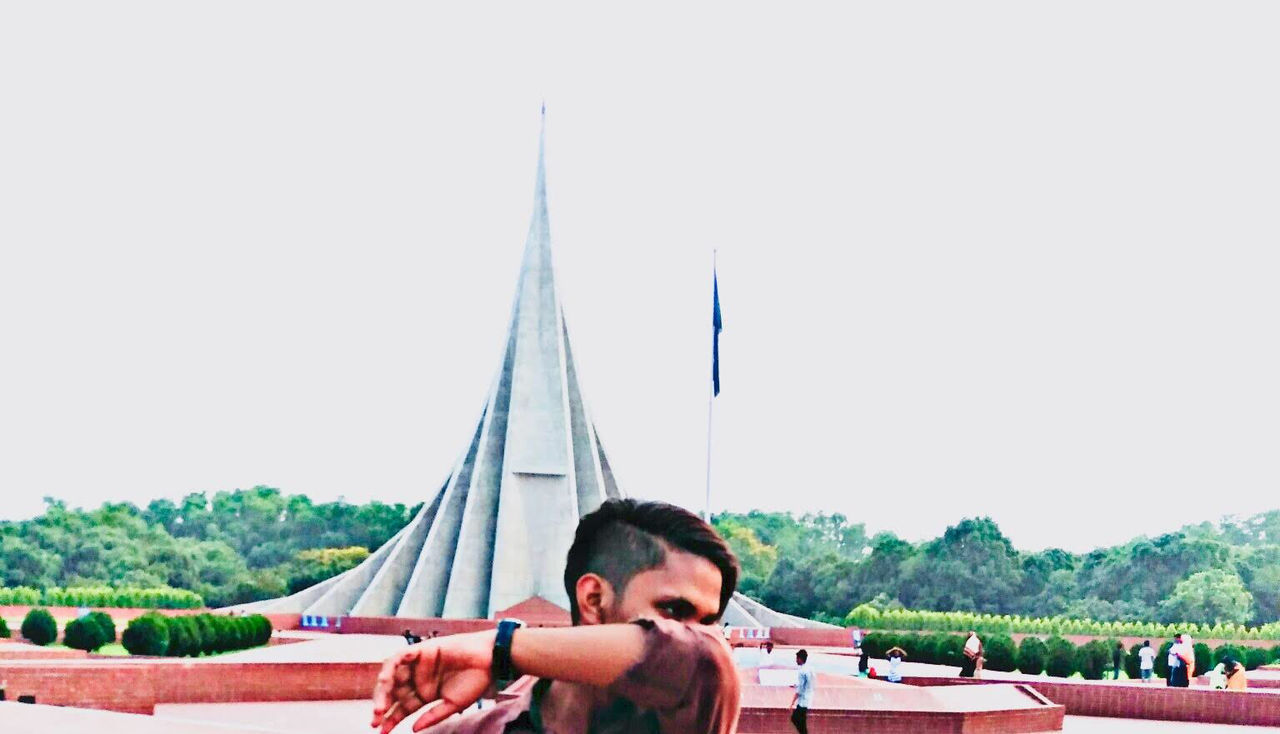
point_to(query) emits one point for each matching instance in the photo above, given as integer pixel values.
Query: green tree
(1209, 597)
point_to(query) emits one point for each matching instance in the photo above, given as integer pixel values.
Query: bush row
(870, 617)
(193, 635)
(102, 596)
(1056, 656)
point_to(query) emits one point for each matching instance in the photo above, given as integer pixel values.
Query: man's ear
(595, 597)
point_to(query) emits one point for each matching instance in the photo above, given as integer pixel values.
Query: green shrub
(1203, 656)
(1222, 652)
(147, 635)
(1093, 659)
(1060, 660)
(875, 643)
(4, 629)
(208, 633)
(84, 634)
(926, 649)
(106, 624)
(39, 627)
(950, 650)
(265, 629)
(1000, 653)
(182, 638)
(1133, 662)
(1254, 658)
(1032, 656)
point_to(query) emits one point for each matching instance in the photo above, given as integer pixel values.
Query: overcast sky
(1005, 258)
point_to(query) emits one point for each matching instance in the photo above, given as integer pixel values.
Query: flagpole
(711, 401)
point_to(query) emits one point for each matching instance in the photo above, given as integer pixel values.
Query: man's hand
(445, 674)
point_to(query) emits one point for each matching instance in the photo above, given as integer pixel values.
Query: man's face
(685, 588)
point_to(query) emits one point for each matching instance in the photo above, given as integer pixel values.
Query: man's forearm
(596, 655)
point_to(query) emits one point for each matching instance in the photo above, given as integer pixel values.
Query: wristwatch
(504, 671)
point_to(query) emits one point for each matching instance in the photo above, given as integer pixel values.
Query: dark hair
(802, 655)
(623, 537)
(1146, 643)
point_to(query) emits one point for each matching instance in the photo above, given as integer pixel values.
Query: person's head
(973, 633)
(1146, 643)
(768, 646)
(1177, 637)
(802, 656)
(634, 559)
(1119, 645)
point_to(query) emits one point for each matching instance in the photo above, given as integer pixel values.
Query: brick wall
(137, 686)
(758, 720)
(1134, 701)
(422, 627)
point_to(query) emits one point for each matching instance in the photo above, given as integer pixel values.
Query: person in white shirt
(972, 655)
(895, 655)
(1147, 661)
(766, 656)
(803, 700)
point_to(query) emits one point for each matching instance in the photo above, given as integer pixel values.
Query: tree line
(822, 566)
(229, 547)
(244, 545)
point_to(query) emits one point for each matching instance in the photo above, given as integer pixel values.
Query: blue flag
(716, 326)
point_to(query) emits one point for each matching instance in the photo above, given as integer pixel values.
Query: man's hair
(1146, 643)
(623, 537)
(802, 655)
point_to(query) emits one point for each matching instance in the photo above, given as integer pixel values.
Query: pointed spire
(496, 532)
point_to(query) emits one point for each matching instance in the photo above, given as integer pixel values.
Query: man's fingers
(396, 672)
(386, 681)
(435, 714)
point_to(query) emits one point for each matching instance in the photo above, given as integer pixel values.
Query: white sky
(1015, 259)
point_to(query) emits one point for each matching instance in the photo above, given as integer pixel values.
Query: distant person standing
(766, 656)
(1146, 661)
(1181, 662)
(1117, 658)
(855, 635)
(972, 653)
(803, 699)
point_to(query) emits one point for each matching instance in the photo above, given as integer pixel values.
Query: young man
(1117, 659)
(647, 582)
(1147, 661)
(803, 699)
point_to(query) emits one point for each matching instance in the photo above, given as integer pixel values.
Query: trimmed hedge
(1033, 655)
(102, 596)
(1060, 661)
(4, 629)
(867, 616)
(197, 634)
(147, 635)
(1093, 659)
(85, 633)
(1000, 653)
(39, 628)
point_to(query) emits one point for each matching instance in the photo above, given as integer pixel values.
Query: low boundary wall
(1136, 701)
